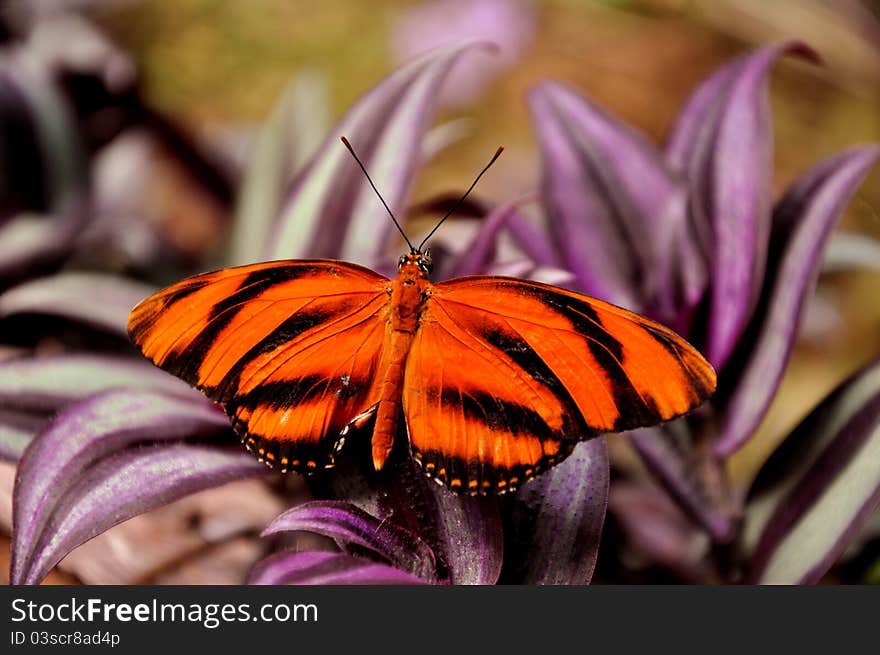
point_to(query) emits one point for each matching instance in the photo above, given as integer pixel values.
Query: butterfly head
(415, 261)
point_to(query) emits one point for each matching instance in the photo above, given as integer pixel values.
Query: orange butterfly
(494, 378)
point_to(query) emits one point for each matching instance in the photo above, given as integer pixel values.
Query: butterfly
(495, 379)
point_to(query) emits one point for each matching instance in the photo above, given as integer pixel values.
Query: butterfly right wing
(290, 348)
(505, 376)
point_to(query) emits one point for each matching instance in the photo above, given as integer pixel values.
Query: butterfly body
(407, 294)
(494, 378)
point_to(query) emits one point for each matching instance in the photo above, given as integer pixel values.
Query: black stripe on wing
(186, 363)
(634, 409)
(512, 344)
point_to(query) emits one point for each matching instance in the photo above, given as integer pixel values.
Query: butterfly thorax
(408, 291)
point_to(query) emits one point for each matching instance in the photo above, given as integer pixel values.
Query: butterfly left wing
(505, 376)
(290, 348)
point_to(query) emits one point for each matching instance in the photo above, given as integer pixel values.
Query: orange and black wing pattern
(290, 348)
(506, 376)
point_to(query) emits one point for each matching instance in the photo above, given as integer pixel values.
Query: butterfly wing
(290, 348)
(505, 376)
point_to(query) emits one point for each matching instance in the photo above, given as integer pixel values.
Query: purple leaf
(33, 389)
(30, 243)
(668, 454)
(723, 143)
(98, 299)
(320, 568)
(44, 384)
(28, 88)
(803, 221)
(84, 433)
(349, 525)
(284, 144)
(463, 533)
(533, 241)
(689, 144)
(331, 211)
(558, 519)
(48, 175)
(479, 255)
(657, 529)
(610, 198)
(818, 488)
(117, 488)
(470, 537)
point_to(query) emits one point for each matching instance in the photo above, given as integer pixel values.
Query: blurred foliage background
(217, 68)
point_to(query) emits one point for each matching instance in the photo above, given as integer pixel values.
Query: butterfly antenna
(385, 204)
(461, 200)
